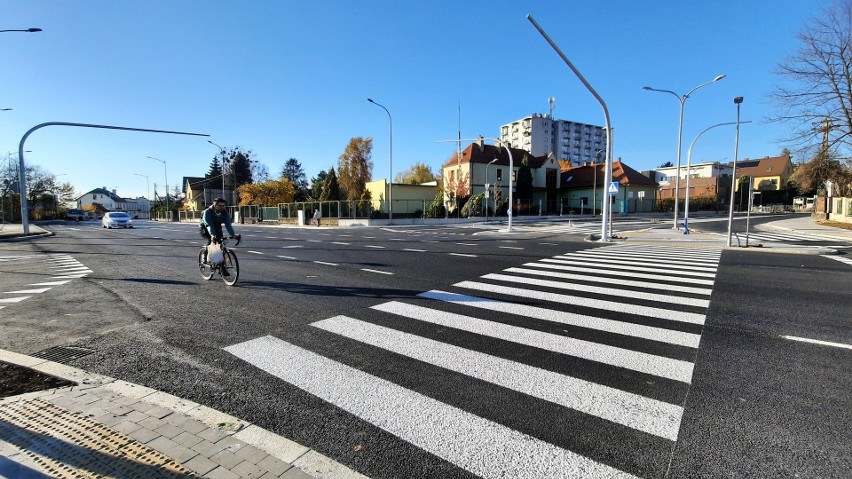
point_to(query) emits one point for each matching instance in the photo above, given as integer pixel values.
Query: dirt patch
(834, 224)
(15, 380)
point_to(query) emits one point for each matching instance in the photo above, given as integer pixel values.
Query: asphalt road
(437, 352)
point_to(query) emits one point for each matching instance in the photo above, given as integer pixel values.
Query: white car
(117, 219)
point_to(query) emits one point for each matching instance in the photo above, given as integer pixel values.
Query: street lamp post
(607, 210)
(390, 178)
(165, 171)
(738, 101)
(688, 167)
(221, 152)
(682, 100)
(28, 30)
(487, 193)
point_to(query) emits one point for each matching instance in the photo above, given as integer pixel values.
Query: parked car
(74, 215)
(117, 219)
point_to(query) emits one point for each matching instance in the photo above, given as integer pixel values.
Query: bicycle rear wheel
(205, 268)
(232, 266)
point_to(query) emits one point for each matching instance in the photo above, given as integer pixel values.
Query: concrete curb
(308, 461)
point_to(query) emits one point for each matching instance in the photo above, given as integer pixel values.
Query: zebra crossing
(601, 342)
(785, 237)
(60, 268)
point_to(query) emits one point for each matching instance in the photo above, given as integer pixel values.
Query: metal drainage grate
(63, 354)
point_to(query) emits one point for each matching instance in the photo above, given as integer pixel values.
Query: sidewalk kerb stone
(321, 467)
(273, 444)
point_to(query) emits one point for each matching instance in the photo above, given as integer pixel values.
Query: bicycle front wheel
(205, 268)
(232, 266)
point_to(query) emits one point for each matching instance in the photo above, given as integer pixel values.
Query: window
(550, 179)
(94, 197)
(499, 174)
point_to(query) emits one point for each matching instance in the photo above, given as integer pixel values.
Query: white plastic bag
(215, 254)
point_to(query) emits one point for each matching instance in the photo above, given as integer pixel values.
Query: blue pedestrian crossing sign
(613, 188)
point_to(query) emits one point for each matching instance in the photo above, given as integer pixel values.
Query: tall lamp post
(682, 100)
(166, 173)
(221, 152)
(487, 193)
(738, 101)
(607, 210)
(689, 167)
(390, 178)
(28, 30)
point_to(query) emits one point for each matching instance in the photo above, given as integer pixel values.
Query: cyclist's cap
(219, 200)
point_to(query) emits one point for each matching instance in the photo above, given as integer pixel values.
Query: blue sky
(291, 79)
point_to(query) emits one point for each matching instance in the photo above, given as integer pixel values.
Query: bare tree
(817, 93)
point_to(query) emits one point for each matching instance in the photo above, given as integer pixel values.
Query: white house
(110, 201)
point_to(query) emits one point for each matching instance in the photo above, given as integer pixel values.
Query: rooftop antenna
(552, 102)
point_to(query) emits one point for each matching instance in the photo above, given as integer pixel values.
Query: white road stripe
(374, 246)
(693, 318)
(589, 322)
(13, 300)
(340, 243)
(375, 271)
(606, 265)
(483, 447)
(463, 254)
(28, 291)
(672, 265)
(327, 264)
(623, 358)
(509, 247)
(285, 257)
(254, 252)
(613, 292)
(293, 246)
(415, 250)
(50, 283)
(817, 341)
(623, 282)
(628, 409)
(628, 273)
(655, 257)
(467, 244)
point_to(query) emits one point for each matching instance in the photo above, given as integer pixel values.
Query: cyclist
(211, 225)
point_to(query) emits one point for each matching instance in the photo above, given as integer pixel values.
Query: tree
(268, 193)
(238, 164)
(293, 171)
(67, 194)
(457, 188)
(259, 172)
(667, 164)
(215, 169)
(317, 183)
(331, 187)
(524, 186)
(355, 167)
(816, 97)
(812, 176)
(416, 174)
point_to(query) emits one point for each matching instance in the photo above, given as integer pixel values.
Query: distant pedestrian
(317, 216)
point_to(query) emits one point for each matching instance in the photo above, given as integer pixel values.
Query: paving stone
(117, 409)
(168, 430)
(181, 453)
(274, 465)
(162, 444)
(221, 473)
(194, 426)
(201, 464)
(135, 416)
(227, 459)
(248, 470)
(213, 435)
(145, 435)
(126, 427)
(156, 411)
(187, 439)
(295, 473)
(151, 422)
(251, 454)
(206, 448)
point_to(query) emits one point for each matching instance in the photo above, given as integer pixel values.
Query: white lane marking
(272, 237)
(817, 341)
(291, 239)
(50, 283)
(672, 265)
(285, 257)
(631, 410)
(70, 276)
(369, 237)
(13, 300)
(673, 315)
(325, 263)
(490, 449)
(612, 292)
(631, 274)
(589, 322)
(621, 268)
(675, 369)
(665, 257)
(463, 254)
(374, 246)
(293, 246)
(415, 250)
(375, 271)
(340, 243)
(28, 291)
(550, 244)
(254, 252)
(466, 244)
(509, 247)
(623, 282)
(314, 241)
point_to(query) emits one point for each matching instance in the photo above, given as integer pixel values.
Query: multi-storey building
(541, 135)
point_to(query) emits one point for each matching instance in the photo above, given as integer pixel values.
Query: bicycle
(229, 263)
